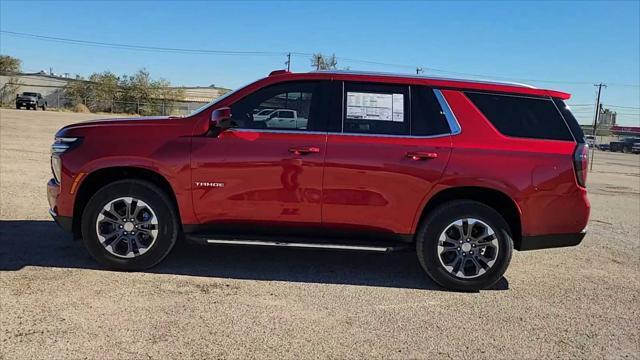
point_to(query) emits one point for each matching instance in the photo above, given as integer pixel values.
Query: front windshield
(29, 94)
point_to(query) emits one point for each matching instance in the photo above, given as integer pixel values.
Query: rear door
(261, 171)
(393, 145)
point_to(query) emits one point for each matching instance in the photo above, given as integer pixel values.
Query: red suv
(462, 171)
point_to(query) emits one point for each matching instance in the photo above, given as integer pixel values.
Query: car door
(262, 172)
(392, 149)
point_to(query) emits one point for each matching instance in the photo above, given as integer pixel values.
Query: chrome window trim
(454, 125)
(452, 121)
(394, 136)
(274, 131)
(279, 131)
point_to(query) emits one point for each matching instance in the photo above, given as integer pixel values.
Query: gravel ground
(226, 302)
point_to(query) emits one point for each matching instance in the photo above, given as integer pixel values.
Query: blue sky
(570, 44)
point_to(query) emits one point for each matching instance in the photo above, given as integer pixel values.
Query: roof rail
(374, 73)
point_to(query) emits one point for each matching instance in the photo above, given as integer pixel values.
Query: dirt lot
(55, 302)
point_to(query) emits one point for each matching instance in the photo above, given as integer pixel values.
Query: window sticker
(371, 106)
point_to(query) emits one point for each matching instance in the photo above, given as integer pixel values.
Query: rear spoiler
(558, 94)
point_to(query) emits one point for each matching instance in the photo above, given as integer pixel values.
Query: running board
(381, 248)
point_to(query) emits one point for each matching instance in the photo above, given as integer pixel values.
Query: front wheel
(464, 245)
(129, 225)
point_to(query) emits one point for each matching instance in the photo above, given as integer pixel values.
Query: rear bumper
(550, 241)
(65, 222)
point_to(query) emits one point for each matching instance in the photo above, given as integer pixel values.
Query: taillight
(581, 163)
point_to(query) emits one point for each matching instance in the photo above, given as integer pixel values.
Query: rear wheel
(129, 225)
(464, 245)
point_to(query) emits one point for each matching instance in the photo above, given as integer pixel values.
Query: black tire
(158, 201)
(436, 222)
(43, 107)
(17, 107)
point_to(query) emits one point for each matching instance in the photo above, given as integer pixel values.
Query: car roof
(440, 82)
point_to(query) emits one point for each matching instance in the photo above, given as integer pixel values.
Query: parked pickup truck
(624, 145)
(30, 100)
(460, 172)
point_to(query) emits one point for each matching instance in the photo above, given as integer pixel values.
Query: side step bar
(381, 248)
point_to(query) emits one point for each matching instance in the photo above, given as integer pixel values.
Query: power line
(623, 107)
(273, 53)
(140, 47)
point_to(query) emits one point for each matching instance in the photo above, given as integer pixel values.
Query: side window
(427, 118)
(376, 109)
(285, 106)
(519, 116)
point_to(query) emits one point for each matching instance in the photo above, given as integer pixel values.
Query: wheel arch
(99, 178)
(496, 199)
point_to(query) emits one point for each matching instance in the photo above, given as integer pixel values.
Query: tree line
(136, 94)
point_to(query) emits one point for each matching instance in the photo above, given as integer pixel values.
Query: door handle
(420, 155)
(304, 150)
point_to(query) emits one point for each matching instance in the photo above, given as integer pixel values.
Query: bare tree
(322, 62)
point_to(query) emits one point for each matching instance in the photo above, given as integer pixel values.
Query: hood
(133, 126)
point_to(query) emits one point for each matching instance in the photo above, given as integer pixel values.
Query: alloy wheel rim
(468, 248)
(127, 227)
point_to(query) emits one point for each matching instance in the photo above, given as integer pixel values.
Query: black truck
(30, 100)
(625, 145)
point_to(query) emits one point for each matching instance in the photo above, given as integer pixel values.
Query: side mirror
(221, 118)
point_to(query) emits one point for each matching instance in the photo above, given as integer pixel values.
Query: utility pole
(288, 62)
(595, 121)
(419, 70)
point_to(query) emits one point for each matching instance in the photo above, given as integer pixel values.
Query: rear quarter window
(524, 117)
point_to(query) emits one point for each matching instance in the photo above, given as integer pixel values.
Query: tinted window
(376, 109)
(571, 121)
(522, 116)
(427, 117)
(285, 106)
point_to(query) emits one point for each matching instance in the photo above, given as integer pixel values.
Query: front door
(392, 150)
(262, 172)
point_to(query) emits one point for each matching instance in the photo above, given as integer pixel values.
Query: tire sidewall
(428, 237)
(155, 199)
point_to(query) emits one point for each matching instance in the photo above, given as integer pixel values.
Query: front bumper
(65, 222)
(53, 191)
(550, 241)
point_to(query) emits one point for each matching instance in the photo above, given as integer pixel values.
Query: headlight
(60, 146)
(56, 167)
